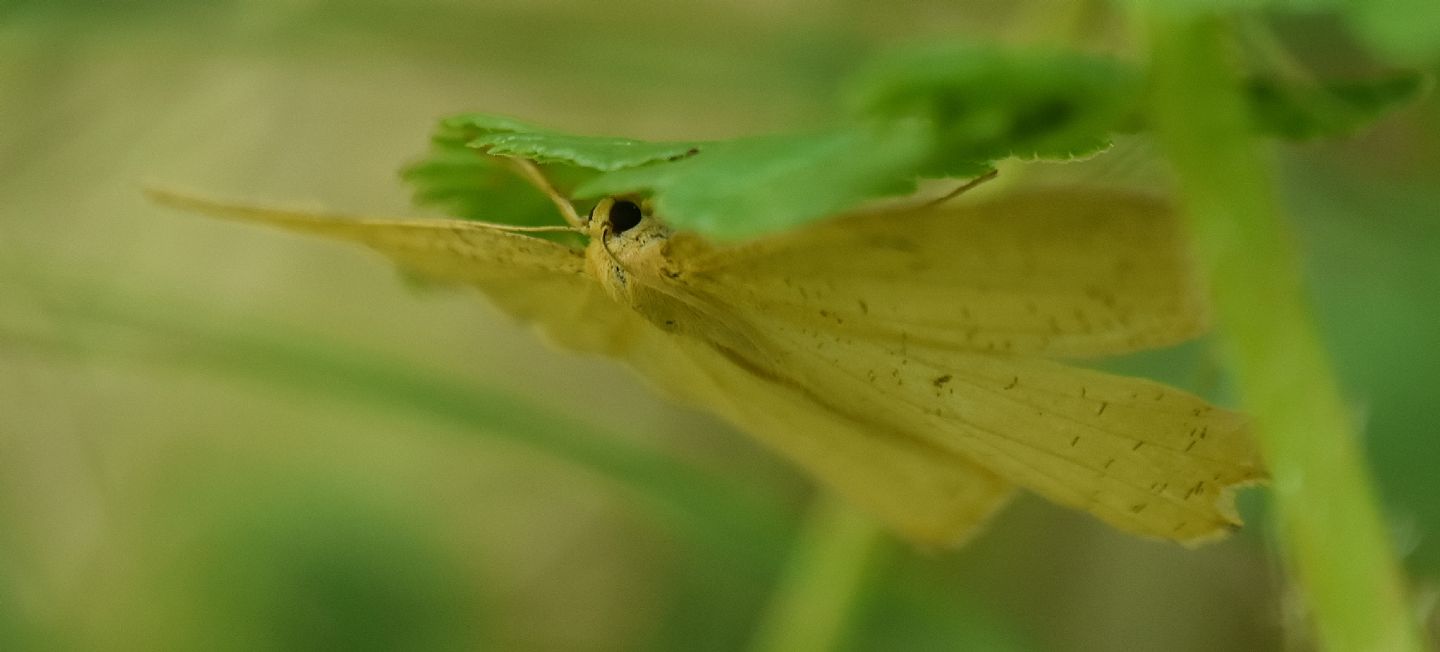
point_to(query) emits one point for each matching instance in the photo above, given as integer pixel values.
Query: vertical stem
(817, 592)
(1325, 506)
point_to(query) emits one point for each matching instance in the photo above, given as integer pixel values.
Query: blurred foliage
(301, 565)
(184, 463)
(1332, 109)
(985, 104)
(1405, 29)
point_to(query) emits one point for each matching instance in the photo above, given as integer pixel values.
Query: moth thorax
(620, 261)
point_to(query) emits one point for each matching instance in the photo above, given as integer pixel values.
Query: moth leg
(531, 173)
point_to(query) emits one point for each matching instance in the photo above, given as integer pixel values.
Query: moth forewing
(1146, 458)
(443, 249)
(536, 280)
(1061, 273)
(916, 322)
(928, 495)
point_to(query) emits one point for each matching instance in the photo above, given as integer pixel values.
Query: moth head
(614, 217)
(625, 237)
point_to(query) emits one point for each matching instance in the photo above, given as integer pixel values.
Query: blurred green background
(218, 437)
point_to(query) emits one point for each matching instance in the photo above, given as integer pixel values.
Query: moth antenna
(531, 172)
(605, 244)
(961, 190)
(542, 229)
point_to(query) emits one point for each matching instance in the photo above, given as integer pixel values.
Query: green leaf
(988, 103)
(1306, 112)
(937, 112)
(465, 174)
(501, 136)
(751, 186)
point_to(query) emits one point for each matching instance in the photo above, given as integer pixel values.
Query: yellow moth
(900, 356)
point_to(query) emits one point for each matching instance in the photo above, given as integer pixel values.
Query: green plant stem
(818, 590)
(1328, 519)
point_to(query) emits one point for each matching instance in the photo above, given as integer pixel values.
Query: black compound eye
(624, 215)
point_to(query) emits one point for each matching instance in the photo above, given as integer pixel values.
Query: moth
(905, 358)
